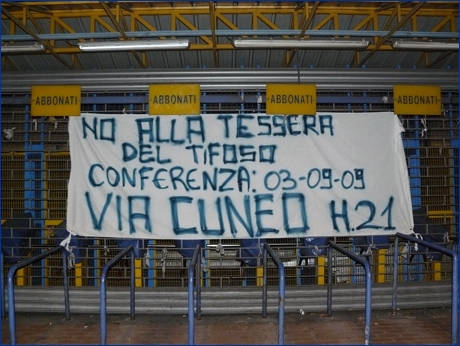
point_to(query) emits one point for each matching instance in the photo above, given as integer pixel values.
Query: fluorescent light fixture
(129, 45)
(300, 44)
(425, 45)
(22, 48)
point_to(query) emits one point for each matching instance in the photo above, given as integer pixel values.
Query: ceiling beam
(304, 26)
(231, 33)
(120, 30)
(385, 38)
(213, 19)
(35, 37)
(441, 58)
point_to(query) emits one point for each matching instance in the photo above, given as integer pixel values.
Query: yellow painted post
(78, 275)
(320, 269)
(21, 277)
(260, 276)
(138, 272)
(50, 225)
(404, 262)
(379, 264)
(98, 262)
(435, 271)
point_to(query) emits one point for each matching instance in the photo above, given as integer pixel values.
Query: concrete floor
(414, 326)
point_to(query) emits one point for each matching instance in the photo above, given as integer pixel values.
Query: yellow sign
(291, 99)
(417, 99)
(55, 100)
(172, 99)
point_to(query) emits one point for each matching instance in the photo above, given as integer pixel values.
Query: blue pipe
(224, 33)
(65, 257)
(441, 249)
(191, 308)
(368, 301)
(395, 274)
(103, 303)
(198, 286)
(191, 315)
(10, 282)
(329, 284)
(282, 290)
(264, 284)
(132, 285)
(2, 282)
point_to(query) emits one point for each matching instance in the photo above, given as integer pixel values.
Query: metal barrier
(10, 283)
(282, 290)
(195, 263)
(2, 283)
(368, 302)
(453, 254)
(105, 270)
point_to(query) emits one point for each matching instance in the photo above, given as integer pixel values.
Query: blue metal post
(455, 304)
(65, 256)
(34, 188)
(395, 274)
(455, 267)
(282, 298)
(2, 282)
(198, 286)
(329, 282)
(413, 143)
(203, 106)
(299, 262)
(1, 253)
(93, 254)
(103, 309)
(282, 291)
(132, 285)
(368, 303)
(368, 292)
(364, 104)
(151, 268)
(265, 283)
(103, 289)
(204, 273)
(191, 300)
(455, 299)
(191, 317)
(259, 97)
(10, 282)
(11, 307)
(131, 105)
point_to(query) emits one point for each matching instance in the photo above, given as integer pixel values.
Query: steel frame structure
(211, 25)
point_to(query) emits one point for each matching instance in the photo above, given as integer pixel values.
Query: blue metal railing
(10, 283)
(194, 263)
(368, 301)
(282, 290)
(195, 267)
(2, 283)
(105, 270)
(441, 249)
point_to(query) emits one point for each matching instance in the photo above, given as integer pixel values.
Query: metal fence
(36, 166)
(163, 266)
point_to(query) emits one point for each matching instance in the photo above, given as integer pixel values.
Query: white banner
(237, 176)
